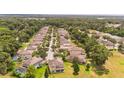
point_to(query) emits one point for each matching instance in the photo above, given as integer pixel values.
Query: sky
(108, 7)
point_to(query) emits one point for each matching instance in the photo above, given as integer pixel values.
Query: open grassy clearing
(116, 65)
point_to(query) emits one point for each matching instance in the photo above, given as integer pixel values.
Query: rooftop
(32, 61)
(56, 64)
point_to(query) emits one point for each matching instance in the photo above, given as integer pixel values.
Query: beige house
(78, 53)
(25, 54)
(56, 65)
(35, 61)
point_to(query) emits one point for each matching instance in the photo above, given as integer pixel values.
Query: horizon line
(69, 14)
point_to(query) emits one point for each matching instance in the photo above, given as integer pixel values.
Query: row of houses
(26, 54)
(73, 50)
(108, 44)
(55, 64)
(37, 40)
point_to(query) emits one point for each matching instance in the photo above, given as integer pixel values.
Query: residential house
(35, 61)
(78, 53)
(25, 54)
(32, 47)
(63, 32)
(66, 46)
(56, 65)
(108, 44)
(21, 70)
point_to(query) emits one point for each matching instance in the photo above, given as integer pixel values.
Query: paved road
(50, 55)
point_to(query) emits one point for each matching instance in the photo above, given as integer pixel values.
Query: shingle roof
(32, 61)
(56, 64)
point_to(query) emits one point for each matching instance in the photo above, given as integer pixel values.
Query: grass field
(115, 65)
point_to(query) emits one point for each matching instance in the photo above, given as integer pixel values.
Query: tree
(23, 37)
(31, 72)
(99, 54)
(42, 52)
(3, 68)
(91, 42)
(63, 53)
(6, 63)
(87, 66)
(75, 66)
(46, 74)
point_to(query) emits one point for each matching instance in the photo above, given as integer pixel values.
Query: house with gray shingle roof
(35, 61)
(56, 65)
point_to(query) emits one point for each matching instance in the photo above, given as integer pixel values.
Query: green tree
(99, 54)
(3, 68)
(75, 66)
(87, 67)
(23, 37)
(42, 52)
(91, 42)
(46, 74)
(31, 70)
(6, 63)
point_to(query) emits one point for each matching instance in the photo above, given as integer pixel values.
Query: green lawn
(116, 65)
(40, 72)
(3, 29)
(68, 72)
